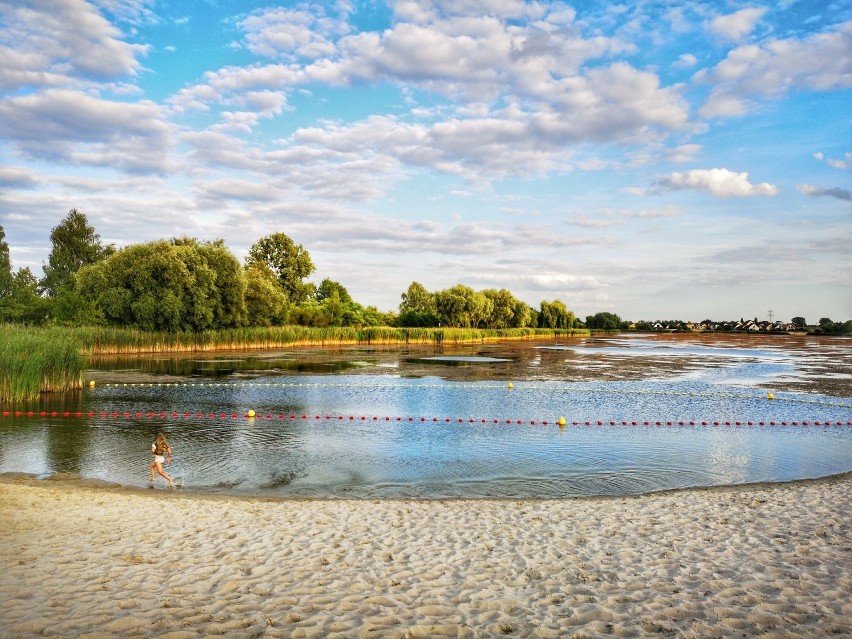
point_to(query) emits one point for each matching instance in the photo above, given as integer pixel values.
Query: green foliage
(555, 315)
(290, 262)
(5, 266)
(603, 321)
(168, 286)
(461, 306)
(413, 318)
(22, 304)
(828, 327)
(75, 244)
(266, 302)
(328, 288)
(799, 323)
(418, 300)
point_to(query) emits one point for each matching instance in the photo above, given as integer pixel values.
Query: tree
(266, 302)
(22, 303)
(555, 315)
(460, 306)
(417, 298)
(167, 286)
(290, 262)
(603, 321)
(417, 307)
(75, 244)
(229, 292)
(799, 323)
(502, 308)
(328, 287)
(5, 266)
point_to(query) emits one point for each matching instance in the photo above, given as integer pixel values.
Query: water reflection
(379, 422)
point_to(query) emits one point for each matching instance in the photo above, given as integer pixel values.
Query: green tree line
(184, 284)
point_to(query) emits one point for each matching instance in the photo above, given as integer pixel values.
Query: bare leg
(153, 466)
(163, 474)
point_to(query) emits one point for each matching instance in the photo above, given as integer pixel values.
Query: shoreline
(73, 481)
(83, 558)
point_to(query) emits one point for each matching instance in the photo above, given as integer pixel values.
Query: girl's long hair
(161, 444)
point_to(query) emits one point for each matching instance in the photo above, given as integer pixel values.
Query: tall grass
(34, 361)
(107, 340)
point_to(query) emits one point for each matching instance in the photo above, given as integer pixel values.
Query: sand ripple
(771, 561)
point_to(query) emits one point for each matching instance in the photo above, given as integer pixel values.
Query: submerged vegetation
(34, 360)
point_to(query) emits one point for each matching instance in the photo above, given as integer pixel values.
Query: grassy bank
(36, 360)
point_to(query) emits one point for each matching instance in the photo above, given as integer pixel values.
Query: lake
(642, 413)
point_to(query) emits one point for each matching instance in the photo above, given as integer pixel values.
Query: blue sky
(659, 159)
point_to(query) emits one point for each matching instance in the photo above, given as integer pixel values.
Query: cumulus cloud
(736, 26)
(535, 71)
(815, 191)
(303, 32)
(821, 62)
(61, 42)
(719, 182)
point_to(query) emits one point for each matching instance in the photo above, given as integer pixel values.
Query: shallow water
(459, 421)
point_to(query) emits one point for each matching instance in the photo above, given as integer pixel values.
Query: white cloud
(719, 182)
(18, 177)
(61, 42)
(76, 128)
(736, 26)
(845, 163)
(821, 62)
(303, 32)
(684, 153)
(815, 191)
(685, 61)
(606, 218)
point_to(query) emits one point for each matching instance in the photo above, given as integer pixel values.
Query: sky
(657, 159)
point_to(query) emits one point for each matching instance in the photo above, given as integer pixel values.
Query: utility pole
(770, 315)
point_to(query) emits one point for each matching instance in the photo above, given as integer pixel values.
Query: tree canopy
(75, 244)
(290, 262)
(171, 286)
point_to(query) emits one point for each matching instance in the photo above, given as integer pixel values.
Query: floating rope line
(464, 386)
(252, 415)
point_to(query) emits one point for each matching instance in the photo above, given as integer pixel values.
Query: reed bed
(38, 360)
(107, 340)
(35, 361)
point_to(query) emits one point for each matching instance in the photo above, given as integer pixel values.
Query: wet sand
(83, 560)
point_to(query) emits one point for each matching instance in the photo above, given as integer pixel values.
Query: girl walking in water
(162, 454)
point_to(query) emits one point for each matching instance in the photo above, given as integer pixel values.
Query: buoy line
(251, 414)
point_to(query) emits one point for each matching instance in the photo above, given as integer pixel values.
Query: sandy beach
(84, 560)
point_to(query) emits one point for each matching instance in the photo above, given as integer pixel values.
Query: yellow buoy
(511, 386)
(770, 396)
(92, 383)
(561, 422)
(251, 412)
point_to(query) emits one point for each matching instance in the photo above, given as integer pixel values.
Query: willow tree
(183, 285)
